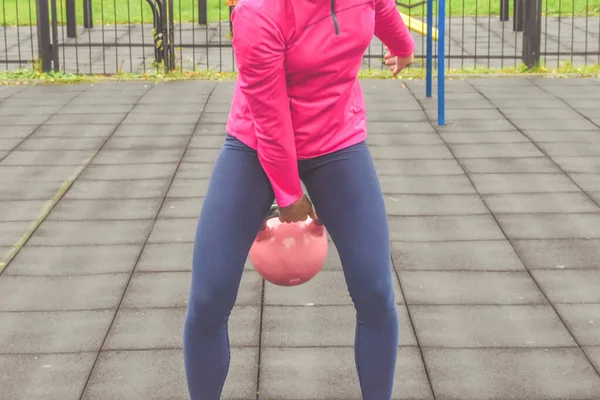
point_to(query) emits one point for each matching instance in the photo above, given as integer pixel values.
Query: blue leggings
(346, 193)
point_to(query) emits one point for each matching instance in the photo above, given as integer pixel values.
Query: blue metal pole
(429, 55)
(441, 76)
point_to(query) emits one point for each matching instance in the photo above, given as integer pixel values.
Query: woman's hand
(397, 64)
(298, 211)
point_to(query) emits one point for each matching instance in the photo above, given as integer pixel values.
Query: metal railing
(136, 36)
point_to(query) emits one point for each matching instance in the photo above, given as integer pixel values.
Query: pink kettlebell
(289, 254)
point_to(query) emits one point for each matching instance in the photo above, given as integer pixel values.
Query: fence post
(518, 16)
(532, 32)
(203, 12)
(54, 12)
(171, 41)
(43, 34)
(88, 21)
(71, 21)
(504, 10)
(166, 28)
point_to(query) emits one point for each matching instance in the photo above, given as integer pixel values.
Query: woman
(298, 114)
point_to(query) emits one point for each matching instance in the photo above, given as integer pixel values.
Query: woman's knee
(207, 309)
(374, 300)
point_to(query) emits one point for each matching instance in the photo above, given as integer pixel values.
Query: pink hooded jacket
(297, 95)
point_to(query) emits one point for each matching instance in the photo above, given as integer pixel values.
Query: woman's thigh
(347, 196)
(238, 197)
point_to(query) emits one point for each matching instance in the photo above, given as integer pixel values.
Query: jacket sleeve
(391, 30)
(259, 46)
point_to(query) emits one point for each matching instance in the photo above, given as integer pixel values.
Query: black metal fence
(136, 36)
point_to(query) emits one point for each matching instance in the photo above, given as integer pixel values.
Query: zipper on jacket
(334, 16)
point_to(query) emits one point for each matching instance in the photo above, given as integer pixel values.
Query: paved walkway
(495, 222)
(481, 41)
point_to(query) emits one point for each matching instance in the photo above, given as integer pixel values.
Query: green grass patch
(484, 8)
(23, 12)
(34, 75)
(106, 12)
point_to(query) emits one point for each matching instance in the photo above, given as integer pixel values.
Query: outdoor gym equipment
(441, 39)
(431, 34)
(417, 26)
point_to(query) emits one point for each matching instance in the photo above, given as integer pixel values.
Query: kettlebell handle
(274, 212)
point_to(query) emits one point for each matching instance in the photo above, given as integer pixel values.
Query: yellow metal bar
(417, 26)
